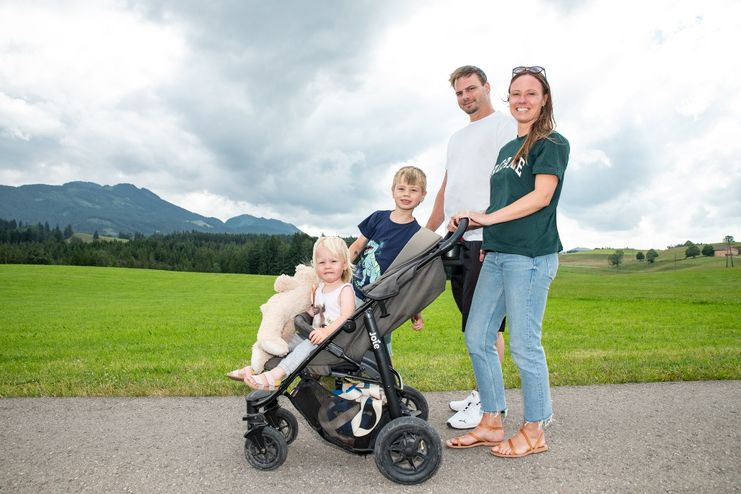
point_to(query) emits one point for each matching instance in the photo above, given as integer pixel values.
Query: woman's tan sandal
(456, 443)
(531, 449)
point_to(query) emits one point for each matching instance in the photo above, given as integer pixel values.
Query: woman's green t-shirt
(536, 234)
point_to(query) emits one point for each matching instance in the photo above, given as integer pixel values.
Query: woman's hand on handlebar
(453, 223)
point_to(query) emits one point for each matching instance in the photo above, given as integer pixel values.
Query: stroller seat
(403, 291)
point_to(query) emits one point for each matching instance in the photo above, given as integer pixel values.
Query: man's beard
(471, 110)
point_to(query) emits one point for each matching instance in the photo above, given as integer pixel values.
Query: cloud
(302, 110)
(65, 71)
(279, 97)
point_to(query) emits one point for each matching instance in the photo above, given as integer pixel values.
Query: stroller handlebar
(452, 238)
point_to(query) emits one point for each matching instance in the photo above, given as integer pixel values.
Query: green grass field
(82, 331)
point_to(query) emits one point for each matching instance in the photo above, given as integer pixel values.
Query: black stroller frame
(406, 448)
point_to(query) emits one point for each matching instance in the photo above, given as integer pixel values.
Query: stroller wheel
(271, 454)
(415, 403)
(284, 422)
(408, 450)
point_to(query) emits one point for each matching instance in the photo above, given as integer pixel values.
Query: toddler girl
(333, 302)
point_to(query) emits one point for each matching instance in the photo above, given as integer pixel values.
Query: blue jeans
(518, 287)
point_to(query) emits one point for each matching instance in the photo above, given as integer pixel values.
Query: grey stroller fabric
(405, 289)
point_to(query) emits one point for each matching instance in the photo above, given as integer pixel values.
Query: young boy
(384, 233)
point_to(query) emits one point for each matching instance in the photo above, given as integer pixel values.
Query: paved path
(666, 437)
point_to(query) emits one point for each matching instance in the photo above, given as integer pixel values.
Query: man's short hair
(466, 71)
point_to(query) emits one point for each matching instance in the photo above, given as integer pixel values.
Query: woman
(522, 244)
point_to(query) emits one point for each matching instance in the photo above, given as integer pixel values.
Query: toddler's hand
(318, 335)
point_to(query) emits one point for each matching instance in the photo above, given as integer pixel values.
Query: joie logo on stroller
(375, 341)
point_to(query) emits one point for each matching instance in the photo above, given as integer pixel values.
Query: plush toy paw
(275, 346)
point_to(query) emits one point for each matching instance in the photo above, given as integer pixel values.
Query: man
(472, 154)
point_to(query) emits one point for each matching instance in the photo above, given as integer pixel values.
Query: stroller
(348, 390)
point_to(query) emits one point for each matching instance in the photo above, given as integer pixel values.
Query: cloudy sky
(302, 110)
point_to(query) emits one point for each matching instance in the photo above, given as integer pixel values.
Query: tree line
(692, 250)
(186, 251)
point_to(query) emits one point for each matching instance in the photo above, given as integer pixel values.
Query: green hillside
(669, 259)
(83, 331)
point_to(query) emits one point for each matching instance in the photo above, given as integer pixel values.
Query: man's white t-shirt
(472, 154)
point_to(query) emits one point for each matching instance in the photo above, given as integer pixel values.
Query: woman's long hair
(544, 125)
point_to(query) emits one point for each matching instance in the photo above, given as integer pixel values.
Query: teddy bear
(293, 296)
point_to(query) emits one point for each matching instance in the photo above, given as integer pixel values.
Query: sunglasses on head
(535, 69)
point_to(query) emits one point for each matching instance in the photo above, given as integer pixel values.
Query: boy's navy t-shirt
(385, 241)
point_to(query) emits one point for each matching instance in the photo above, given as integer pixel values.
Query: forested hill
(123, 208)
(248, 253)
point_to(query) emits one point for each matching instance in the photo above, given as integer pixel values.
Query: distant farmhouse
(723, 251)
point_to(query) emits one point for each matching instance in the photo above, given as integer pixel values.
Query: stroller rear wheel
(284, 422)
(408, 450)
(270, 454)
(415, 403)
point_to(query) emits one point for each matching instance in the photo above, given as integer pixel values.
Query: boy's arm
(418, 322)
(357, 247)
(438, 209)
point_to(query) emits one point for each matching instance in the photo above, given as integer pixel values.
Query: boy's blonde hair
(411, 175)
(337, 247)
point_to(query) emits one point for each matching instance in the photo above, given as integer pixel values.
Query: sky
(302, 110)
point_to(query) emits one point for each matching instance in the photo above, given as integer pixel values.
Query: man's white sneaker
(458, 405)
(468, 418)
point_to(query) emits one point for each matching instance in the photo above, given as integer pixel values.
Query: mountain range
(114, 209)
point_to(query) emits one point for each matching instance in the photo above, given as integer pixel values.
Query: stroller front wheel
(408, 450)
(284, 422)
(415, 402)
(265, 449)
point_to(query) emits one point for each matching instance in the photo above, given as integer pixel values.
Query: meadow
(86, 331)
